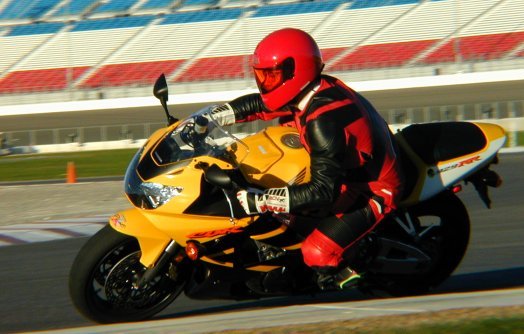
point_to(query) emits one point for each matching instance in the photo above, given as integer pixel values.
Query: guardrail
(506, 112)
(80, 134)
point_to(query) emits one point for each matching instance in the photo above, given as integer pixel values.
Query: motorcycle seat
(441, 141)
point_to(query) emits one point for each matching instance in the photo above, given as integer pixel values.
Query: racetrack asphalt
(29, 203)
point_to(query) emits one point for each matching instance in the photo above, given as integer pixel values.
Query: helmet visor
(269, 79)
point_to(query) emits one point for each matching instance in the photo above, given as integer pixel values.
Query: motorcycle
(186, 231)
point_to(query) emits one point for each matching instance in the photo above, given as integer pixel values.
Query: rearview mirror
(160, 89)
(218, 177)
(161, 92)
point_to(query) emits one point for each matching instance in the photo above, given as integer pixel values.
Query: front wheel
(103, 281)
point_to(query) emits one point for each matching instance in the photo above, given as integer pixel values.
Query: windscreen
(197, 135)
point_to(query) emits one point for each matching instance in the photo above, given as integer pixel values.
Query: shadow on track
(488, 280)
(481, 281)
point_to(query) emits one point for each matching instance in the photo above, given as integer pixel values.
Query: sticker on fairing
(460, 164)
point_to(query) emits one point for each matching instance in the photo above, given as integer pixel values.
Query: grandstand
(71, 48)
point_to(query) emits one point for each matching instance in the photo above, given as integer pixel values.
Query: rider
(355, 175)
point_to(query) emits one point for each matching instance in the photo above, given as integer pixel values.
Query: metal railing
(494, 111)
(81, 134)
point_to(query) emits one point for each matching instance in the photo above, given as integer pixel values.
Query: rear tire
(445, 243)
(102, 278)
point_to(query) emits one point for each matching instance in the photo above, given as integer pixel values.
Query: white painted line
(371, 309)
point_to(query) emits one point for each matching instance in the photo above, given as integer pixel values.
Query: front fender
(152, 241)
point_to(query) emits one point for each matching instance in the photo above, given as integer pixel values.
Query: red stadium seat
(144, 73)
(39, 80)
(328, 54)
(482, 47)
(217, 68)
(380, 55)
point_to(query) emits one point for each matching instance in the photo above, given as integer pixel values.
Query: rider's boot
(342, 279)
(346, 278)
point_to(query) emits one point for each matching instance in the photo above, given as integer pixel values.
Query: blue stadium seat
(27, 9)
(115, 6)
(199, 2)
(380, 3)
(202, 16)
(154, 4)
(35, 29)
(74, 7)
(113, 23)
(297, 8)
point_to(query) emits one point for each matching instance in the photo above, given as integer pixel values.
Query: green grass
(519, 139)
(54, 166)
(419, 324)
(484, 326)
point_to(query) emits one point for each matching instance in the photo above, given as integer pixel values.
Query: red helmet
(285, 62)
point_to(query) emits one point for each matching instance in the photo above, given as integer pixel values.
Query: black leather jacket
(347, 141)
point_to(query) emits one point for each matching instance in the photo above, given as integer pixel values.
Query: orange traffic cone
(71, 172)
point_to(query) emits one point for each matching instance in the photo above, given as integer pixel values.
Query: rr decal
(210, 234)
(460, 164)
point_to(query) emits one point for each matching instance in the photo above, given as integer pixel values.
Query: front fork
(157, 249)
(172, 251)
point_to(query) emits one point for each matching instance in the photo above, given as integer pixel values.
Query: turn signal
(457, 188)
(192, 250)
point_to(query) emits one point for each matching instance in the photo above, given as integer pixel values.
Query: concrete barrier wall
(511, 125)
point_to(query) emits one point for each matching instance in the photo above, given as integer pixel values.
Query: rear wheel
(441, 227)
(103, 281)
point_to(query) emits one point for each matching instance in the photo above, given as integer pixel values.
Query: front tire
(103, 277)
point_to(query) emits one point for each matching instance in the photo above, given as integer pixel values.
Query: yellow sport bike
(187, 233)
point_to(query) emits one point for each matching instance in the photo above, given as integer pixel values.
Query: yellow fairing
(152, 240)
(183, 227)
(155, 229)
(276, 158)
(492, 131)
(153, 139)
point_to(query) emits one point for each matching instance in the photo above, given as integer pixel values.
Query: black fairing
(411, 172)
(434, 142)
(213, 202)
(147, 168)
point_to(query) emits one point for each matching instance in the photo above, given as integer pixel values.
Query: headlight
(150, 195)
(158, 194)
(146, 195)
